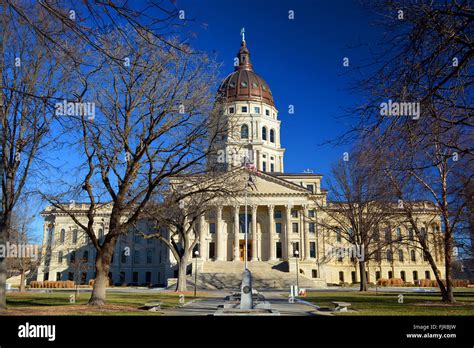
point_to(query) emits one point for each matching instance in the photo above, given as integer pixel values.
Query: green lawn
(370, 303)
(53, 303)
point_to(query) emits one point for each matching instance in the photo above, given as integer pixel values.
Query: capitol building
(286, 233)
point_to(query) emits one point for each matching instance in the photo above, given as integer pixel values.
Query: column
(220, 252)
(254, 233)
(202, 238)
(271, 232)
(236, 233)
(287, 253)
(306, 232)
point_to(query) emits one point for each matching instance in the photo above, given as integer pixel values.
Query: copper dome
(244, 84)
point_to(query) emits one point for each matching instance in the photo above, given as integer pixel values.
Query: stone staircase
(266, 275)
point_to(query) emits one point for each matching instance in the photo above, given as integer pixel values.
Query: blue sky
(301, 60)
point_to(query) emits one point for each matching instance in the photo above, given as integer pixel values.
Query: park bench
(341, 306)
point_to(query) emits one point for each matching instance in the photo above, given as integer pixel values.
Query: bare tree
(29, 78)
(155, 120)
(358, 205)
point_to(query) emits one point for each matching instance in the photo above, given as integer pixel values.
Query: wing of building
(284, 230)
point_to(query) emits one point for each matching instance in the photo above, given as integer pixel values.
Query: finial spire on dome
(243, 55)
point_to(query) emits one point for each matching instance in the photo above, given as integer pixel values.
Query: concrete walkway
(208, 305)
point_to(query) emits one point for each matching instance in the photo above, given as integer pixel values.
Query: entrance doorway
(242, 249)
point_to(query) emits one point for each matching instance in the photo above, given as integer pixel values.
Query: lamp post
(196, 254)
(297, 273)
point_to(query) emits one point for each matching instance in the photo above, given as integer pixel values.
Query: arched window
(272, 135)
(264, 133)
(413, 256)
(244, 131)
(399, 233)
(63, 236)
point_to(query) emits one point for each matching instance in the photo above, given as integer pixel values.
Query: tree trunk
(3, 266)
(363, 278)
(22, 281)
(102, 266)
(448, 295)
(181, 284)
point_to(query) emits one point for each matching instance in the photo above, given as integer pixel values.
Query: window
(254, 84)
(388, 235)
(411, 236)
(314, 273)
(278, 250)
(264, 133)
(378, 256)
(338, 235)
(425, 257)
(296, 248)
(277, 214)
(73, 256)
(413, 256)
(312, 249)
(256, 109)
(244, 131)
(402, 275)
(339, 258)
(123, 257)
(231, 110)
(148, 277)
(58, 276)
(272, 136)
(244, 109)
(264, 166)
(399, 233)
(101, 235)
(312, 227)
(136, 257)
(294, 213)
(310, 187)
(427, 275)
(85, 256)
(423, 233)
(295, 227)
(341, 277)
(60, 257)
(272, 167)
(278, 227)
(74, 236)
(312, 213)
(353, 276)
(212, 250)
(400, 255)
(149, 256)
(377, 275)
(415, 275)
(62, 235)
(376, 236)
(389, 255)
(390, 274)
(212, 227)
(70, 276)
(122, 277)
(83, 277)
(135, 277)
(243, 84)
(267, 112)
